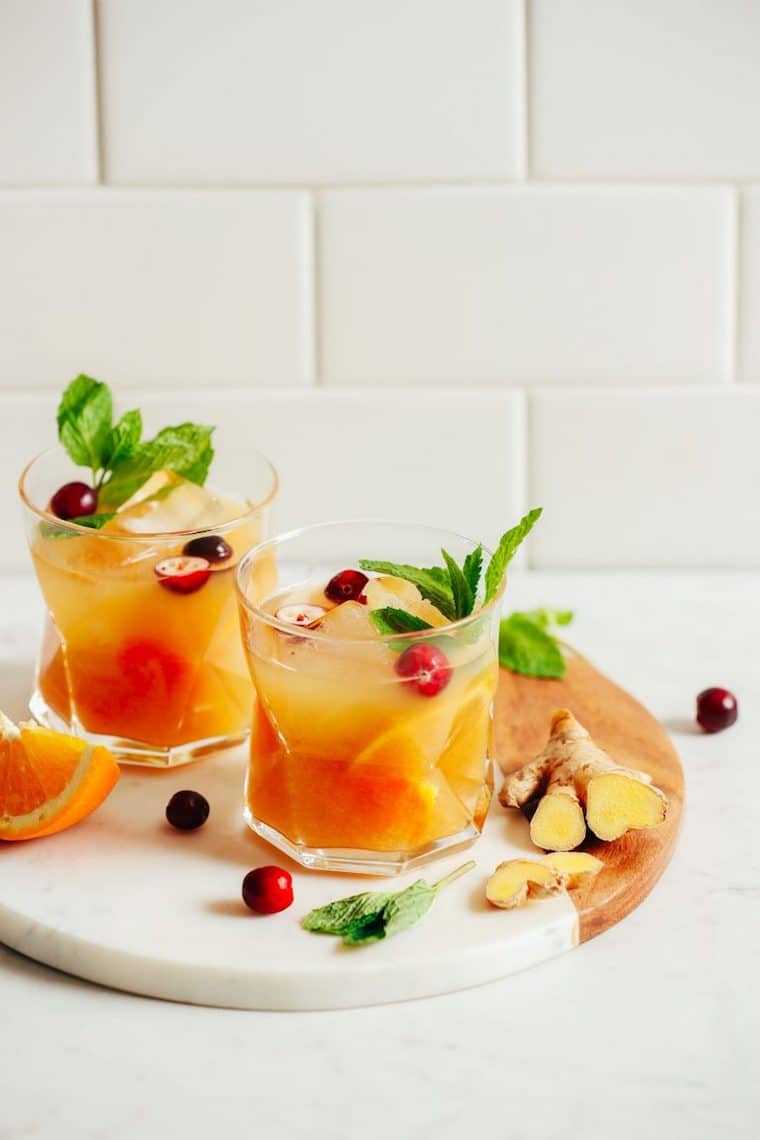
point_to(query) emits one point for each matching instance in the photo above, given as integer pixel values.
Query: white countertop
(653, 1028)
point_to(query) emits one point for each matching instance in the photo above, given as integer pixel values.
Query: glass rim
(270, 620)
(145, 536)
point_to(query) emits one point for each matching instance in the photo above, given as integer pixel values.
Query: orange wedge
(48, 780)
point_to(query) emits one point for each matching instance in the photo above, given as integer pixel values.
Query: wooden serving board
(125, 901)
(632, 736)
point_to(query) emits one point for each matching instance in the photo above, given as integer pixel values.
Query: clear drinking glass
(156, 674)
(351, 767)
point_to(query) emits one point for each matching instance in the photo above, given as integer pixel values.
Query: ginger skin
(580, 784)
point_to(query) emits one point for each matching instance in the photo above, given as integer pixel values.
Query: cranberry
(212, 547)
(187, 810)
(267, 890)
(425, 667)
(346, 586)
(73, 501)
(716, 709)
(182, 575)
(303, 615)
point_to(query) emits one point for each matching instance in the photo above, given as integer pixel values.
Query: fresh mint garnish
(452, 589)
(506, 550)
(433, 583)
(374, 915)
(119, 460)
(392, 620)
(526, 646)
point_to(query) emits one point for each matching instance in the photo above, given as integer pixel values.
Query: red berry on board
(304, 614)
(267, 890)
(346, 586)
(425, 667)
(182, 575)
(716, 709)
(187, 810)
(212, 547)
(73, 501)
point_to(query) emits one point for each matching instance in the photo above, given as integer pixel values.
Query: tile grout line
(527, 102)
(100, 136)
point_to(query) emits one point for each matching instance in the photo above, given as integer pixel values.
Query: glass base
(361, 862)
(135, 751)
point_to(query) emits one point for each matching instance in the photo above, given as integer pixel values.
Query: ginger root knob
(512, 882)
(580, 784)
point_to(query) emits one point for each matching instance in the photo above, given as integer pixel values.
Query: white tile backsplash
(456, 462)
(47, 93)
(655, 478)
(361, 236)
(655, 88)
(489, 286)
(749, 319)
(250, 91)
(156, 288)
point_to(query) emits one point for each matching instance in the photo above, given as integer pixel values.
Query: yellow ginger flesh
(577, 866)
(513, 880)
(576, 778)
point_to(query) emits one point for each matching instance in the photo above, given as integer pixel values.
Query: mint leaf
(460, 587)
(546, 618)
(337, 917)
(433, 582)
(186, 450)
(124, 438)
(94, 522)
(392, 620)
(472, 568)
(372, 916)
(524, 647)
(506, 551)
(84, 422)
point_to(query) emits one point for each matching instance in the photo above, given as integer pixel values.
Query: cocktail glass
(155, 673)
(351, 767)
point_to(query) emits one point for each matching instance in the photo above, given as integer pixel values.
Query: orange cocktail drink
(370, 749)
(141, 645)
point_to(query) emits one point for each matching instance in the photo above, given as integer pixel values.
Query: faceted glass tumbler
(351, 767)
(157, 675)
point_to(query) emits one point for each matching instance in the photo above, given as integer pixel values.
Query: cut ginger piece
(49, 780)
(572, 774)
(514, 880)
(577, 866)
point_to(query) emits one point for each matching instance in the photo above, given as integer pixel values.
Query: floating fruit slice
(48, 780)
(302, 614)
(183, 575)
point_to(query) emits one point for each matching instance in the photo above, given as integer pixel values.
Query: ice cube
(348, 621)
(167, 503)
(401, 595)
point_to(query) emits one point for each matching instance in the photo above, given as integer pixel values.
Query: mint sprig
(392, 620)
(452, 589)
(120, 461)
(527, 647)
(374, 915)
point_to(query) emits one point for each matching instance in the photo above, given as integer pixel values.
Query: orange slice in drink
(49, 780)
(463, 761)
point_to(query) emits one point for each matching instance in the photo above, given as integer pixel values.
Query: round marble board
(124, 900)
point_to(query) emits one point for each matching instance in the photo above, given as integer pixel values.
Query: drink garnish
(374, 915)
(451, 588)
(120, 461)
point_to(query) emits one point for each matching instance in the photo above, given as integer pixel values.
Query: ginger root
(580, 784)
(513, 880)
(576, 866)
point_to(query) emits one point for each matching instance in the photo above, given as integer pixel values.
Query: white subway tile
(656, 88)
(652, 478)
(749, 319)
(156, 287)
(47, 93)
(456, 461)
(243, 91)
(534, 285)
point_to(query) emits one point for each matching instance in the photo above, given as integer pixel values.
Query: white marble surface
(651, 1028)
